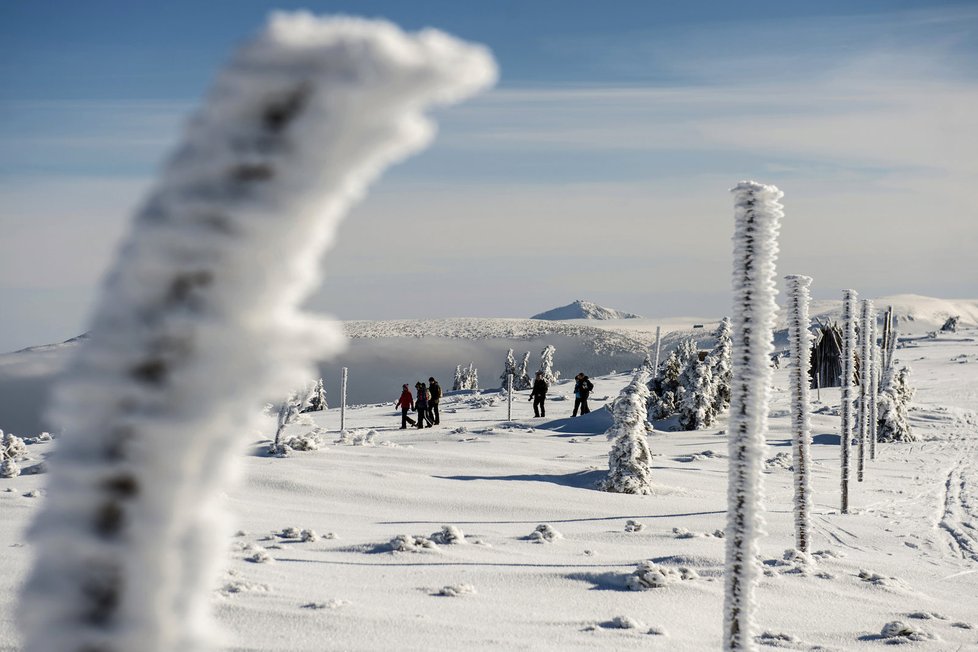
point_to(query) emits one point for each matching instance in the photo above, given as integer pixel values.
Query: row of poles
(758, 214)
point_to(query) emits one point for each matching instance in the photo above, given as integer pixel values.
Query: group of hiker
(426, 398)
(425, 403)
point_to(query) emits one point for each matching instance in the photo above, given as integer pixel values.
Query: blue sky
(598, 168)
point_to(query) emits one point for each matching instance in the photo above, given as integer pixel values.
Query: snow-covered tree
(848, 373)
(472, 377)
(867, 316)
(894, 403)
(523, 380)
(720, 362)
(630, 460)
(315, 400)
(697, 409)
(509, 369)
(288, 411)
(459, 379)
(547, 365)
(758, 215)
(799, 343)
(200, 321)
(662, 407)
(672, 368)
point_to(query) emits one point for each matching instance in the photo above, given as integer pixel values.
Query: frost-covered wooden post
(800, 342)
(874, 390)
(199, 322)
(509, 397)
(865, 379)
(846, 406)
(343, 376)
(658, 349)
(758, 214)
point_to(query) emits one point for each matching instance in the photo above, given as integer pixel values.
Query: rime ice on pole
(758, 214)
(800, 342)
(865, 379)
(199, 319)
(846, 407)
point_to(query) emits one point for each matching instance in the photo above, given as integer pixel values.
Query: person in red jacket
(406, 402)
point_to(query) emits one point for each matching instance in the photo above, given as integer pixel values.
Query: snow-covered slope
(907, 552)
(916, 314)
(583, 310)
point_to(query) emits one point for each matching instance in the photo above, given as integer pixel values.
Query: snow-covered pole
(509, 397)
(891, 343)
(658, 349)
(846, 407)
(343, 376)
(199, 321)
(865, 378)
(800, 339)
(758, 214)
(874, 389)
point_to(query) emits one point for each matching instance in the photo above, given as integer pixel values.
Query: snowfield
(483, 534)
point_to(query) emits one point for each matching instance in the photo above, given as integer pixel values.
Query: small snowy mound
(634, 526)
(407, 543)
(12, 446)
(699, 457)
(259, 556)
(236, 586)
(335, 603)
(449, 535)
(793, 562)
(772, 639)
(650, 575)
(308, 535)
(455, 591)
(289, 533)
(357, 438)
(898, 629)
(307, 442)
(780, 461)
(623, 622)
(683, 533)
(545, 533)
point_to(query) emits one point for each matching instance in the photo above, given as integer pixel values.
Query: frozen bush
(448, 535)
(408, 543)
(545, 533)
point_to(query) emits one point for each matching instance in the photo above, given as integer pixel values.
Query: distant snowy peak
(583, 310)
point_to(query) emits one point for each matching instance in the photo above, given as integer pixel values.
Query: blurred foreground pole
(199, 322)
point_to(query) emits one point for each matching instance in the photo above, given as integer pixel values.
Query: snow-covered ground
(908, 552)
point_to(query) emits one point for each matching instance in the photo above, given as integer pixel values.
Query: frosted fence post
(658, 348)
(845, 409)
(865, 378)
(509, 392)
(199, 322)
(343, 377)
(800, 343)
(874, 391)
(758, 215)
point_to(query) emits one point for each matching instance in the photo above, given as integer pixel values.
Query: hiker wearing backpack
(435, 390)
(539, 395)
(421, 404)
(582, 389)
(406, 402)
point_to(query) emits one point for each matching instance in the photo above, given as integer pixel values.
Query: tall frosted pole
(199, 321)
(800, 343)
(509, 397)
(343, 377)
(846, 407)
(874, 390)
(758, 214)
(865, 379)
(658, 349)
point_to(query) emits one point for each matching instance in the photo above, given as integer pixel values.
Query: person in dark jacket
(582, 389)
(421, 404)
(539, 395)
(406, 402)
(435, 390)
